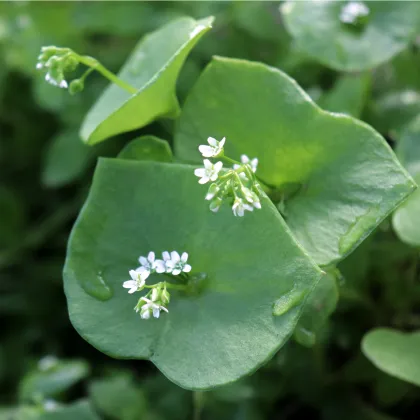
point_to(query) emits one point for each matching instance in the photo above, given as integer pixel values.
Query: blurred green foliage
(46, 172)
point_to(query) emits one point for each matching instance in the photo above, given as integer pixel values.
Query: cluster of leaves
(296, 268)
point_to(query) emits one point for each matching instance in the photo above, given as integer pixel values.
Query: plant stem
(96, 65)
(227, 159)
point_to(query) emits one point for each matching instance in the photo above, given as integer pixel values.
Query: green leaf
(394, 352)
(349, 178)
(321, 303)
(348, 95)
(119, 398)
(153, 69)
(147, 148)
(391, 112)
(406, 218)
(207, 339)
(318, 30)
(66, 159)
(80, 410)
(53, 380)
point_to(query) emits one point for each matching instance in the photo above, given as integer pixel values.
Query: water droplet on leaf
(97, 287)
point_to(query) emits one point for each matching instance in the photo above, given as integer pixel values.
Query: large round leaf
(318, 30)
(349, 178)
(205, 340)
(153, 69)
(394, 352)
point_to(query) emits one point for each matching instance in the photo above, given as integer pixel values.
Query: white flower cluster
(238, 185)
(57, 61)
(171, 263)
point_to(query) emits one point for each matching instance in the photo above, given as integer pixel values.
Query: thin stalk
(96, 65)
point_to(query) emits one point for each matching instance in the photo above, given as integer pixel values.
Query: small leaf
(153, 69)
(349, 178)
(119, 398)
(66, 159)
(209, 339)
(80, 410)
(147, 148)
(348, 95)
(318, 30)
(394, 352)
(54, 380)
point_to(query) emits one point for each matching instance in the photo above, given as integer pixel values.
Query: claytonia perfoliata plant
(239, 185)
(173, 265)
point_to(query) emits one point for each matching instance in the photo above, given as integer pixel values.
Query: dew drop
(97, 287)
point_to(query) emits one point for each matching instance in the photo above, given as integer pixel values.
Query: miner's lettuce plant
(208, 258)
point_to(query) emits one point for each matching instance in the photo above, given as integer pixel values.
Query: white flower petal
(176, 271)
(218, 166)
(143, 261)
(175, 257)
(133, 289)
(187, 268)
(134, 274)
(145, 314)
(156, 312)
(214, 176)
(160, 266)
(166, 256)
(212, 141)
(207, 164)
(184, 257)
(200, 172)
(164, 309)
(204, 180)
(144, 275)
(129, 284)
(151, 256)
(206, 151)
(222, 142)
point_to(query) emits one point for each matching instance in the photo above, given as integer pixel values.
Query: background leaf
(147, 148)
(394, 352)
(318, 30)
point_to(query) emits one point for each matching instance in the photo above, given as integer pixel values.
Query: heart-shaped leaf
(349, 180)
(394, 352)
(206, 339)
(152, 69)
(338, 36)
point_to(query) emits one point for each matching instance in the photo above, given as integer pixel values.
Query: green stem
(96, 65)
(228, 159)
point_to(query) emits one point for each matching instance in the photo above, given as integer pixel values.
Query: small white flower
(149, 265)
(210, 172)
(214, 149)
(150, 307)
(239, 207)
(253, 163)
(352, 11)
(178, 264)
(137, 281)
(213, 190)
(50, 405)
(39, 66)
(63, 84)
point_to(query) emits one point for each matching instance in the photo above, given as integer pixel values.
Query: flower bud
(76, 86)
